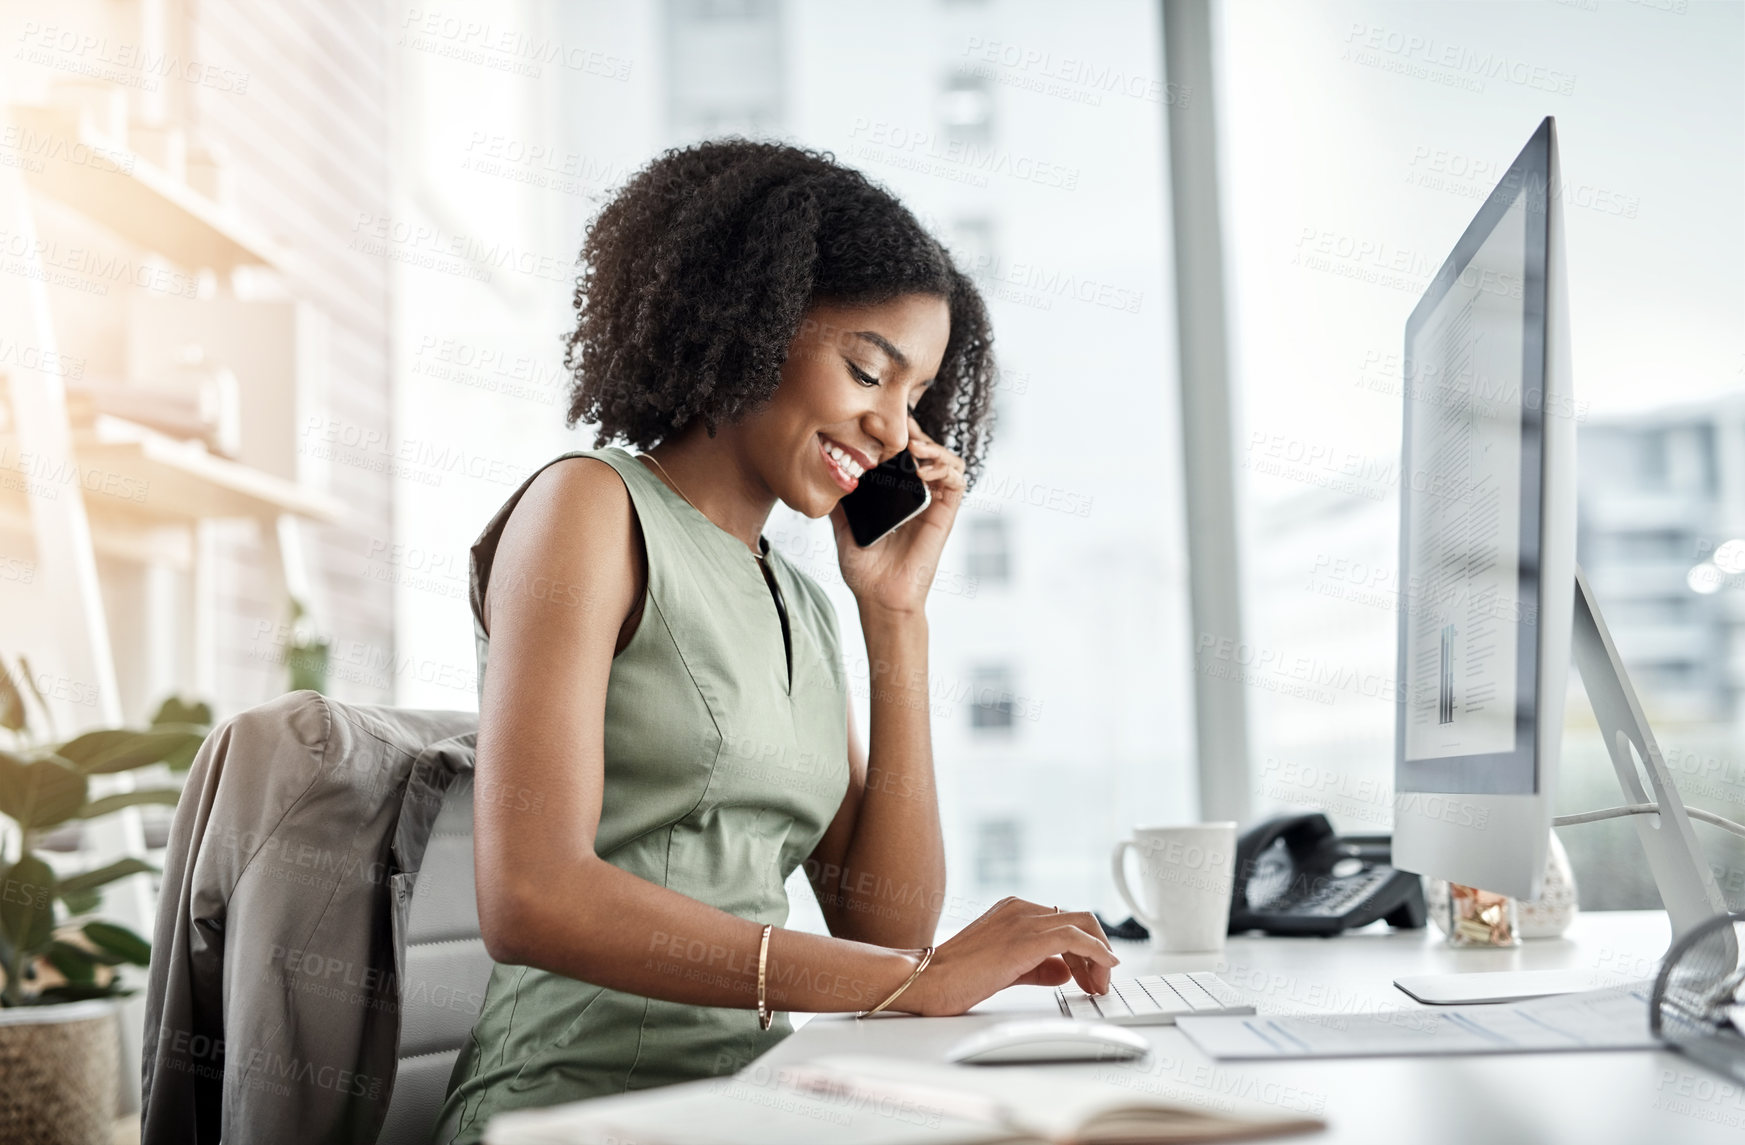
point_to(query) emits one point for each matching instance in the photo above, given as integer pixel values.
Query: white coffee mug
(1185, 879)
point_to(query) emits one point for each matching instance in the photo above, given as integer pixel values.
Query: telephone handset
(1295, 876)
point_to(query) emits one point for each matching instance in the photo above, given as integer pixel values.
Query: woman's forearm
(893, 882)
(645, 939)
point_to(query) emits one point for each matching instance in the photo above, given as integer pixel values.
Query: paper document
(1612, 1019)
(739, 1111)
(860, 1100)
(1085, 1104)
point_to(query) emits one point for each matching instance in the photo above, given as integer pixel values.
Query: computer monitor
(1492, 604)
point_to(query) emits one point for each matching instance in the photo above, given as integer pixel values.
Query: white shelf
(133, 474)
(138, 200)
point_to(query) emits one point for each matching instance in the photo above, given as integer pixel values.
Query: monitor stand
(1687, 886)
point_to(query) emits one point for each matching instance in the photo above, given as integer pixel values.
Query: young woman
(664, 730)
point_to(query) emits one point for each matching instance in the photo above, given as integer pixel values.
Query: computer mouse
(1049, 1040)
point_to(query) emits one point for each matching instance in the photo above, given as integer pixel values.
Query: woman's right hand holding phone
(1016, 943)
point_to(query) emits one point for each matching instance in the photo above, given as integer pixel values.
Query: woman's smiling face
(852, 377)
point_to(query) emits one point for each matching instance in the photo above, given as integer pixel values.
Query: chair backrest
(278, 941)
(442, 987)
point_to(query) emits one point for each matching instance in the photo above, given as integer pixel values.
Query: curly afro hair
(695, 276)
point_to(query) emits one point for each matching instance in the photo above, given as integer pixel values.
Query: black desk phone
(1295, 876)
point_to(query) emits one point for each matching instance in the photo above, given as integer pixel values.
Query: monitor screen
(1469, 540)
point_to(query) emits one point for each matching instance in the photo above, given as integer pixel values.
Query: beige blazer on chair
(299, 991)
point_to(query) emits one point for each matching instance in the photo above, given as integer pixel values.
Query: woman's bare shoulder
(571, 539)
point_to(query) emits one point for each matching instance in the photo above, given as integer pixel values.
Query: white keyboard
(1154, 1000)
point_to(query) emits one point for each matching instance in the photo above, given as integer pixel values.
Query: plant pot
(61, 1069)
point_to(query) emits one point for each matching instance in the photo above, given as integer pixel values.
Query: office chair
(316, 962)
(447, 970)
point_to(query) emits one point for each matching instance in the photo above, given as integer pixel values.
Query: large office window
(1402, 119)
(1030, 138)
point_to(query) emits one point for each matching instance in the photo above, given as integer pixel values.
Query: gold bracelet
(764, 1015)
(926, 957)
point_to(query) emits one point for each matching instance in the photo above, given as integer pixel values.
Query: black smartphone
(885, 498)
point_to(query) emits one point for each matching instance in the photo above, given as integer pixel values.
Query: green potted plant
(58, 1044)
(306, 657)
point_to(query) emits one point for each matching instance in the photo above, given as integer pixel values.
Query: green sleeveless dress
(723, 767)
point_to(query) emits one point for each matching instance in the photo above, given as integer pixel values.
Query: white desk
(1657, 1098)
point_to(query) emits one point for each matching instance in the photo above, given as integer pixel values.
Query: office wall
(1360, 140)
(493, 189)
(311, 141)
(292, 102)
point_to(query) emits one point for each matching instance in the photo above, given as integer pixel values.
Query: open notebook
(868, 1100)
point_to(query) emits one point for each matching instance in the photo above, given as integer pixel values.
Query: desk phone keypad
(1334, 896)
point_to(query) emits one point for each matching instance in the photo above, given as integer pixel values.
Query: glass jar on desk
(1478, 918)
